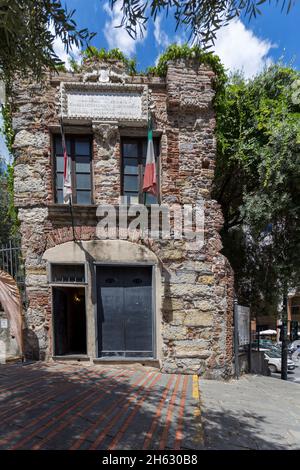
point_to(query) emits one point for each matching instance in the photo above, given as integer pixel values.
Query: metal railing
(11, 261)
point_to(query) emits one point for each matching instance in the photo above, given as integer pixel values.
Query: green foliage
(61, 68)
(27, 31)
(8, 212)
(9, 223)
(184, 51)
(114, 54)
(75, 67)
(202, 19)
(12, 216)
(257, 182)
(7, 129)
(195, 53)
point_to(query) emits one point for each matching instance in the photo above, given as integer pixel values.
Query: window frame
(72, 138)
(140, 140)
(52, 266)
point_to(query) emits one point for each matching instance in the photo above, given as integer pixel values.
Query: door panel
(137, 309)
(124, 311)
(110, 311)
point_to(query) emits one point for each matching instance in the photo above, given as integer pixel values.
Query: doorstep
(72, 357)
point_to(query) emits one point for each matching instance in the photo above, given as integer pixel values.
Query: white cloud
(239, 49)
(160, 36)
(163, 40)
(118, 37)
(59, 50)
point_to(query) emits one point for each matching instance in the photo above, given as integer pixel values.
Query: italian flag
(67, 187)
(149, 184)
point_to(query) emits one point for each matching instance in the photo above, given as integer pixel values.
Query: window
(134, 153)
(80, 151)
(69, 273)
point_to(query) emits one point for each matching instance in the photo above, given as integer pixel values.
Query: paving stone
(254, 412)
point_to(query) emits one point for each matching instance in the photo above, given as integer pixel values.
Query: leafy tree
(5, 226)
(257, 183)
(202, 18)
(27, 31)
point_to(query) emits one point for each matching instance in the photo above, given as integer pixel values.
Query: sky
(242, 45)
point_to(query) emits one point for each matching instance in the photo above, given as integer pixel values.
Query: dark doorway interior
(69, 320)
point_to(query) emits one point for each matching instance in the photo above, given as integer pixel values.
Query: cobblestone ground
(255, 412)
(75, 406)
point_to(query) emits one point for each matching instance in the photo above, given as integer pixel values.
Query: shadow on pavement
(64, 406)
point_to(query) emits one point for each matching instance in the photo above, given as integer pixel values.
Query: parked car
(294, 345)
(274, 361)
(263, 344)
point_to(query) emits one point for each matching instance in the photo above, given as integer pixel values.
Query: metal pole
(250, 346)
(284, 344)
(72, 219)
(236, 339)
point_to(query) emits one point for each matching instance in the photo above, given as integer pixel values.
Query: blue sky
(241, 45)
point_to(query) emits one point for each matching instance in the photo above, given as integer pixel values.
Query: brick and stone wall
(197, 286)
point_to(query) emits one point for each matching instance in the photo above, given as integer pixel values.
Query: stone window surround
(68, 263)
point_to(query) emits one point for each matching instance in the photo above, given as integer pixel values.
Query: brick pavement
(75, 406)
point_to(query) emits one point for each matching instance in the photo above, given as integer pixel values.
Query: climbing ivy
(184, 51)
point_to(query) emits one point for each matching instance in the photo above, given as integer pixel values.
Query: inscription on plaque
(104, 102)
(107, 105)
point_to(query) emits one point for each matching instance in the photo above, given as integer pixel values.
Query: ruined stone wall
(197, 286)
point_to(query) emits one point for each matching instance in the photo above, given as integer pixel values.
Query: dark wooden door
(125, 323)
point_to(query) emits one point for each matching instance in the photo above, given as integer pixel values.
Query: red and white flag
(67, 183)
(149, 184)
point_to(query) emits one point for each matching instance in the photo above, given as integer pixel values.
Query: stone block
(198, 318)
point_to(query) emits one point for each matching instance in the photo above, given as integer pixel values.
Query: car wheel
(272, 368)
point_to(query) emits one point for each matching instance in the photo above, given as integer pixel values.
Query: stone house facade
(147, 300)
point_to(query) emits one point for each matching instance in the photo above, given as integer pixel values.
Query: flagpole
(72, 219)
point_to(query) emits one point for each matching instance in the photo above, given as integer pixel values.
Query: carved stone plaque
(104, 101)
(3, 323)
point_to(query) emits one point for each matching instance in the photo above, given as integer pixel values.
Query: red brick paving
(74, 406)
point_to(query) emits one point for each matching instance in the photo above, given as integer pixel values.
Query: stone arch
(100, 250)
(11, 302)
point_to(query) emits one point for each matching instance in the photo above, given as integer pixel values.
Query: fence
(11, 261)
